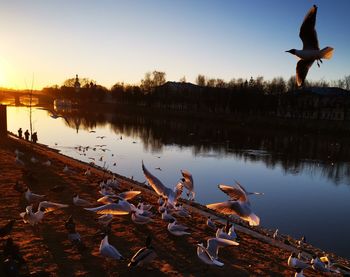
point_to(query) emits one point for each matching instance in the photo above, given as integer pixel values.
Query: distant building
(77, 84)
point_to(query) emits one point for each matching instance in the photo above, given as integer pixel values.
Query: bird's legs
(319, 60)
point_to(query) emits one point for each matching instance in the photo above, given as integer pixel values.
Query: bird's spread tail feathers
(327, 52)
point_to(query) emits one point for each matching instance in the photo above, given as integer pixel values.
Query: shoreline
(257, 236)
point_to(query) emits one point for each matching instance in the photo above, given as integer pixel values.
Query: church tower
(77, 84)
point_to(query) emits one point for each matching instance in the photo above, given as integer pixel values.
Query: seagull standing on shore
(311, 50)
(209, 254)
(109, 251)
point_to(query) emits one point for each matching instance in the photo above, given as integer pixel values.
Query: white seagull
(177, 229)
(161, 190)
(311, 50)
(238, 204)
(209, 254)
(294, 262)
(109, 251)
(44, 207)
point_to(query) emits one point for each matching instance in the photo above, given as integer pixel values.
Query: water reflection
(299, 172)
(293, 152)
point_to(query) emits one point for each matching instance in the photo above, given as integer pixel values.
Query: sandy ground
(47, 249)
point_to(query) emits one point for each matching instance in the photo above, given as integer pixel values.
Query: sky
(119, 41)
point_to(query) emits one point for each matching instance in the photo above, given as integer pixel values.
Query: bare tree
(201, 80)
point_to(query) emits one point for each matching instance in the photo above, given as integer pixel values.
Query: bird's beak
(288, 51)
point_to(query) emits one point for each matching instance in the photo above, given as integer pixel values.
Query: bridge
(22, 98)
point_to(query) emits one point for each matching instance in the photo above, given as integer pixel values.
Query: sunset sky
(114, 41)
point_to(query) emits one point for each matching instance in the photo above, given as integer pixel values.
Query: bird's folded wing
(178, 227)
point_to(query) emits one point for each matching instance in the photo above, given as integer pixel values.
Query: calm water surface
(305, 179)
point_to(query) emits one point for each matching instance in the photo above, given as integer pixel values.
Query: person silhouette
(35, 137)
(20, 132)
(26, 134)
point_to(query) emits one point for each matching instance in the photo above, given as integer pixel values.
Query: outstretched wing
(308, 32)
(214, 244)
(303, 67)
(228, 207)
(51, 206)
(235, 193)
(154, 182)
(114, 209)
(127, 195)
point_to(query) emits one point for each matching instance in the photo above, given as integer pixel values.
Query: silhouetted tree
(201, 80)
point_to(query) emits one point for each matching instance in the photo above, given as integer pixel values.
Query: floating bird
(109, 251)
(77, 201)
(209, 254)
(144, 255)
(311, 50)
(7, 228)
(238, 204)
(187, 181)
(161, 190)
(177, 229)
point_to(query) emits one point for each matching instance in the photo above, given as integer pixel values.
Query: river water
(305, 178)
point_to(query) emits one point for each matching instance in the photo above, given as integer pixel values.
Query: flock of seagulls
(114, 203)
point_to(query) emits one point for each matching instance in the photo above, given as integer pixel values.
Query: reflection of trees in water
(293, 152)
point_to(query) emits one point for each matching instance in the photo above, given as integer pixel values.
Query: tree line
(207, 94)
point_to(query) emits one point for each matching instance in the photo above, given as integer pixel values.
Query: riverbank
(48, 249)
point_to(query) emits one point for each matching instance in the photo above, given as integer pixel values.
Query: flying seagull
(311, 50)
(238, 204)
